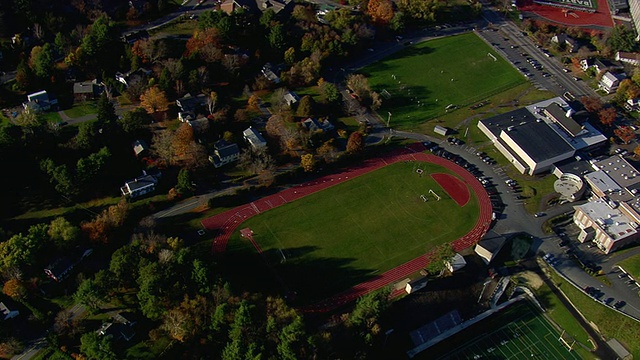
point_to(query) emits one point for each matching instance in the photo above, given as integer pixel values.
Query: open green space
(51, 116)
(350, 232)
(632, 266)
(82, 109)
(517, 332)
(610, 323)
(458, 70)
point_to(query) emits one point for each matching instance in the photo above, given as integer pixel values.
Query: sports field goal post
(567, 340)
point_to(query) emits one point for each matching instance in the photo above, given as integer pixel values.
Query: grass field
(82, 109)
(344, 235)
(632, 266)
(424, 73)
(518, 332)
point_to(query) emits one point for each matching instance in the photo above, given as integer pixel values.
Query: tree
(97, 347)
(305, 107)
(106, 113)
(254, 102)
(150, 283)
(124, 264)
(89, 294)
(63, 232)
(591, 103)
(211, 102)
(439, 257)
(381, 11)
(15, 289)
(622, 39)
(86, 136)
(636, 151)
(162, 146)
(607, 116)
(42, 60)
(397, 22)
(359, 84)
(330, 92)
(60, 176)
(154, 100)
(277, 37)
(28, 119)
(308, 162)
(355, 143)
(134, 120)
(625, 133)
(88, 168)
(185, 183)
(256, 161)
(290, 56)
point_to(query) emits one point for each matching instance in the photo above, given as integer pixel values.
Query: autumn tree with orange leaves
(154, 100)
(15, 289)
(591, 104)
(607, 116)
(201, 39)
(625, 133)
(381, 11)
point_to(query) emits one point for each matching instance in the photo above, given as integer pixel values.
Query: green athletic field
(518, 332)
(423, 73)
(347, 233)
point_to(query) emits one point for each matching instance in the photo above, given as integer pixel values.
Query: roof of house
(87, 87)
(534, 137)
(492, 241)
(141, 182)
(613, 77)
(226, 149)
(190, 102)
(559, 115)
(4, 309)
(139, 146)
(291, 97)
(619, 170)
(253, 136)
(603, 64)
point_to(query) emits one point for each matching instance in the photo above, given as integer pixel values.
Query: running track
(227, 222)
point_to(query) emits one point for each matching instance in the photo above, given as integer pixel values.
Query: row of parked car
(598, 294)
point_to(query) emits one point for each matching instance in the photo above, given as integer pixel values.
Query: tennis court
(519, 332)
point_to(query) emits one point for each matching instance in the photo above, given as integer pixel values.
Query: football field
(519, 332)
(434, 77)
(348, 233)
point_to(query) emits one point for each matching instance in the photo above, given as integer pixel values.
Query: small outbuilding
(441, 130)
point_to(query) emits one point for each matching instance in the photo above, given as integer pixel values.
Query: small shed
(441, 130)
(416, 285)
(456, 263)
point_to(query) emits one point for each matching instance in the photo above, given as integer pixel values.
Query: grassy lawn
(178, 27)
(556, 310)
(423, 72)
(81, 109)
(610, 323)
(632, 266)
(346, 234)
(52, 116)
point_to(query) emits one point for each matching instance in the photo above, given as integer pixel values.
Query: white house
(139, 186)
(254, 138)
(224, 153)
(609, 82)
(628, 57)
(291, 98)
(39, 101)
(570, 44)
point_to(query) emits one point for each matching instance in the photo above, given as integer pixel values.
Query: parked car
(608, 301)
(619, 304)
(539, 214)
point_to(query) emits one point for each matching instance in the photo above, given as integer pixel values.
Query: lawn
(82, 109)
(419, 82)
(346, 234)
(517, 332)
(632, 266)
(51, 116)
(610, 323)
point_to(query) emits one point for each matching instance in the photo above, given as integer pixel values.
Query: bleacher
(436, 327)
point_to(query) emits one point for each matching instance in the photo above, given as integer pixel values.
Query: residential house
(190, 103)
(256, 6)
(140, 147)
(291, 98)
(254, 138)
(60, 268)
(133, 77)
(40, 101)
(224, 153)
(141, 185)
(268, 73)
(200, 125)
(87, 90)
(6, 313)
(610, 81)
(117, 331)
(186, 116)
(601, 65)
(628, 57)
(570, 44)
(632, 104)
(132, 37)
(312, 124)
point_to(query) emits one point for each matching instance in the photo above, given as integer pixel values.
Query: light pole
(388, 119)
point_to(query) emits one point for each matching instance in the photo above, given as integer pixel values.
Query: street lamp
(388, 119)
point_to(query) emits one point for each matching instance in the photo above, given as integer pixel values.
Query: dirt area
(531, 279)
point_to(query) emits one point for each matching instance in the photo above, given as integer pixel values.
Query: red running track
(454, 187)
(600, 18)
(226, 222)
